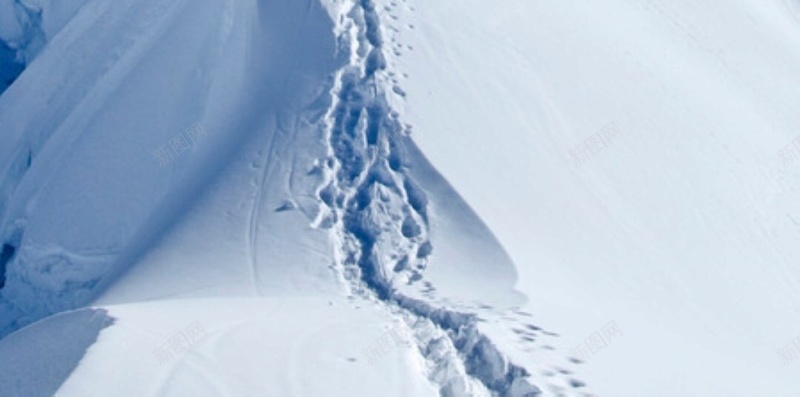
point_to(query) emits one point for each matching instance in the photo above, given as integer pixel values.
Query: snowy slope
(85, 123)
(678, 226)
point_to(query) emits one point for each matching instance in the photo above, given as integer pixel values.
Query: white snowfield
(399, 198)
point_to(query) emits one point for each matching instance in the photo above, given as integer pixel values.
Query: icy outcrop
(25, 27)
(80, 184)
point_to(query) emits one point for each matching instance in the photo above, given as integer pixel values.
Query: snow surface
(247, 347)
(282, 197)
(678, 231)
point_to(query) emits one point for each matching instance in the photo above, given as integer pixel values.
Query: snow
(382, 197)
(247, 347)
(677, 231)
(94, 112)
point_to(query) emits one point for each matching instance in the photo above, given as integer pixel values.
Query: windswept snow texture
(37, 361)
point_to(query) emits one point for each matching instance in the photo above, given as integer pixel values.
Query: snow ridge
(379, 220)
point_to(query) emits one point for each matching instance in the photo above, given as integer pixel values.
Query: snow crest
(380, 223)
